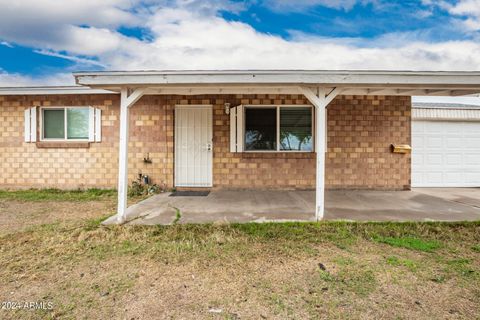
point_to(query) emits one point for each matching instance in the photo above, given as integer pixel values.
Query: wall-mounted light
(227, 108)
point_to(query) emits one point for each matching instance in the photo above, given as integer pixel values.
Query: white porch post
(320, 100)
(126, 101)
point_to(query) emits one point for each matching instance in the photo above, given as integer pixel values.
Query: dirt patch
(19, 215)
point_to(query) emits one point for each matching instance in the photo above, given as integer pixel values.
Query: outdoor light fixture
(227, 108)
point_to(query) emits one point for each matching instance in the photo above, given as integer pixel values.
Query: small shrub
(139, 189)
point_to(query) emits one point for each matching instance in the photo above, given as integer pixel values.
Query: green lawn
(327, 270)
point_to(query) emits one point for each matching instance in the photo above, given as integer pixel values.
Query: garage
(445, 145)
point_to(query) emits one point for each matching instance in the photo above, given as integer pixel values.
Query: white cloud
(185, 40)
(467, 12)
(189, 34)
(6, 44)
(300, 5)
(19, 80)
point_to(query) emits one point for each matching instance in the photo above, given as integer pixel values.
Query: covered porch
(320, 88)
(425, 204)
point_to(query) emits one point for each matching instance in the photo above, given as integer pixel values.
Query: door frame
(175, 153)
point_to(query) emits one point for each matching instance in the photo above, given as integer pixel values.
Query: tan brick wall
(360, 132)
(23, 165)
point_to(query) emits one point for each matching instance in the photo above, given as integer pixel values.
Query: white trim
(65, 139)
(127, 100)
(27, 122)
(33, 124)
(303, 77)
(98, 125)
(233, 129)
(320, 100)
(50, 90)
(91, 124)
(240, 128)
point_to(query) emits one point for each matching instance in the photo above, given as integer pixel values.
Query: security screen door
(193, 146)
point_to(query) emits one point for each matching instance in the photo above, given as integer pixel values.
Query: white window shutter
(233, 129)
(236, 129)
(91, 124)
(33, 124)
(98, 125)
(240, 128)
(27, 125)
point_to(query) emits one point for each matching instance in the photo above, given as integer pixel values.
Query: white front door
(193, 146)
(445, 154)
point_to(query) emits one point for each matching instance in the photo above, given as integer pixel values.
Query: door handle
(209, 147)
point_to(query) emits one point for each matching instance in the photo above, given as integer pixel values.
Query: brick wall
(360, 131)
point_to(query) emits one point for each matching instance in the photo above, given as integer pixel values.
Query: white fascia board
(9, 91)
(466, 80)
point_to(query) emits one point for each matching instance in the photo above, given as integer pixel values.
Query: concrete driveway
(426, 204)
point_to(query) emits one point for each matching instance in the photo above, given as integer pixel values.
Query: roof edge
(51, 90)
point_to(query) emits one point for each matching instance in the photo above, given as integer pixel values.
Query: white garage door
(445, 154)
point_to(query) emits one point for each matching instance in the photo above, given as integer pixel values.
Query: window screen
(54, 124)
(260, 128)
(77, 123)
(296, 129)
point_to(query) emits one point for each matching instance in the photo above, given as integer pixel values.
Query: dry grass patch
(246, 271)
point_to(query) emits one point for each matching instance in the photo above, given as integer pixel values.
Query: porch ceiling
(407, 83)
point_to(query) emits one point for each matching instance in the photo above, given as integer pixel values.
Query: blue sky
(43, 41)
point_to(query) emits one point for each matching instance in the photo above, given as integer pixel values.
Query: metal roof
(444, 105)
(445, 111)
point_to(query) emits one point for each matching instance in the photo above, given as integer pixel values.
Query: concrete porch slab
(263, 206)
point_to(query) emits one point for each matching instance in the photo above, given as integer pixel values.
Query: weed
(397, 262)
(178, 215)
(461, 266)
(410, 243)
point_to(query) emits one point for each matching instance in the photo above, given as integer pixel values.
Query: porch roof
(350, 82)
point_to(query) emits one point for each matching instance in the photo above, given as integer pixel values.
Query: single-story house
(223, 129)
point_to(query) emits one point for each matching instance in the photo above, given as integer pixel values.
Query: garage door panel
(417, 161)
(433, 142)
(418, 141)
(434, 177)
(453, 159)
(452, 177)
(472, 159)
(472, 140)
(445, 154)
(473, 178)
(433, 127)
(418, 128)
(434, 159)
(454, 142)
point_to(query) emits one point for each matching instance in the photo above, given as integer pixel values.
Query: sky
(43, 41)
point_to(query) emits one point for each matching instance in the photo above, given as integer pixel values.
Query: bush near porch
(54, 249)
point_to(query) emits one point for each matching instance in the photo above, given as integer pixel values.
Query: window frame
(64, 108)
(277, 107)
